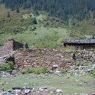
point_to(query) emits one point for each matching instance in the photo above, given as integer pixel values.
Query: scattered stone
(4, 74)
(93, 93)
(27, 90)
(7, 93)
(43, 88)
(59, 91)
(43, 58)
(75, 93)
(14, 73)
(17, 90)
(57, 72)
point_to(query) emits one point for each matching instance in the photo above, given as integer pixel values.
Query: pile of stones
(39, 91)
(43, 58)
(88, 55)
(32, 91)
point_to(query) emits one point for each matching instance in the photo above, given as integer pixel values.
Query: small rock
(43, 88)
(27, 90)
(6, 93)
(93, 94)
(75, 93)
(59, 91)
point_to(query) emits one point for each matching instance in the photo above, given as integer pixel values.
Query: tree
(62, 9)
(17, 10)
(8, 15)
(34, 20)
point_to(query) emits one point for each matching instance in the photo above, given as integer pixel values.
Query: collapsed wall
(87, 55)
(43, 58)
(12, 45)
(8, 49)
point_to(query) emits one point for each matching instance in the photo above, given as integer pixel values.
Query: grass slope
(49, 31)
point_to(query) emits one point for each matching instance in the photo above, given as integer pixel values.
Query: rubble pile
(39, 91)
(8, 49)
(43, 58)
(32, 91)
(88, 55)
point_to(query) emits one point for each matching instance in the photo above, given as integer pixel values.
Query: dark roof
(81, 41)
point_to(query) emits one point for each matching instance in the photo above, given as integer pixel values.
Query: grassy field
(73, 84)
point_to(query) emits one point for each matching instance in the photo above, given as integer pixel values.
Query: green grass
(71, 85)
(42, 37)
(8, 66)
(37, 70)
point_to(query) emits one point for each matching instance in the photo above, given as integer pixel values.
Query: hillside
(39, 29)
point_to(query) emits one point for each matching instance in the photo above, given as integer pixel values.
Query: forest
(64, 9)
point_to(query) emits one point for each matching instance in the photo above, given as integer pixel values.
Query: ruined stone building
(8, 49)
(81, 44)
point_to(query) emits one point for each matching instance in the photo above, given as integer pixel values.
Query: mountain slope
(37, 30)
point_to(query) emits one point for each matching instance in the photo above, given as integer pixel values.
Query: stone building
(81, 43)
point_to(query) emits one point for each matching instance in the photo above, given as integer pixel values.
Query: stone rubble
(88, 55)
(50, 58)
(39, 91)
(31, 91)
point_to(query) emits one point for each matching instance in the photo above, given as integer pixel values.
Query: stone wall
(8, 49)
(43, 58)
(88, 55)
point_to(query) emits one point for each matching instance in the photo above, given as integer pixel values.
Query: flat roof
(80, 41)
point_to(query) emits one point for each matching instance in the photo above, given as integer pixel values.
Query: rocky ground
(48, 84)
(40, 91)
(42, 58)
(76, 81)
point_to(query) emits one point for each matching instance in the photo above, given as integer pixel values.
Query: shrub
(78, 64)
(34, 20)
(93, 73)
(37, 70)
(6, 67)
(26, 70)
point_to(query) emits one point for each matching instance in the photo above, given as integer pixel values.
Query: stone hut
(81, 43)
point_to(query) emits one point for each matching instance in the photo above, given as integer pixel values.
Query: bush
(37, 70)
(34, 20)
(93, 73)
(8, 67)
